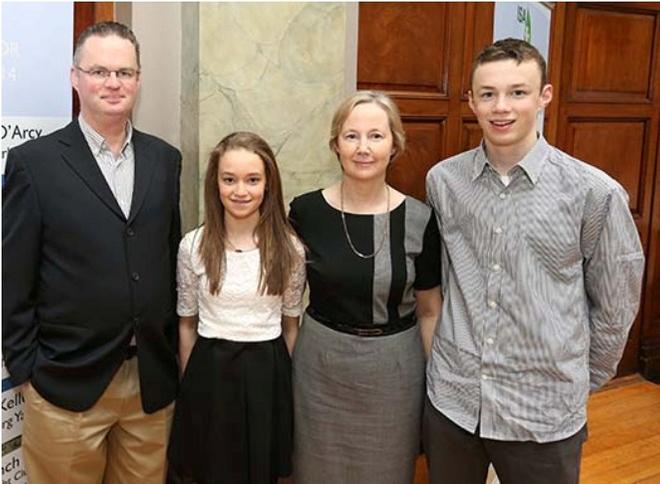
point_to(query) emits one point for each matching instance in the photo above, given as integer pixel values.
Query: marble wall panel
(277, 69)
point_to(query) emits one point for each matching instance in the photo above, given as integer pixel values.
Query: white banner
(37, 47)
(529, 21)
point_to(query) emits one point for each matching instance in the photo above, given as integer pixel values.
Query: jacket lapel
(145, 164)
(78, 156)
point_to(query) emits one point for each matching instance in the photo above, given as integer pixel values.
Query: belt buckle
(369, 331)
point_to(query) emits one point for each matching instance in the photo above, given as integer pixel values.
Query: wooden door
(650, 333)
(84, 15)
(608, 108)
(605, 68)
(421, 54)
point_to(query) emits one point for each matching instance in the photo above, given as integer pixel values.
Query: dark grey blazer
(79, 279)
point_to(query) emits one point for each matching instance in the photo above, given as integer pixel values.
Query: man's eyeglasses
(103, 74)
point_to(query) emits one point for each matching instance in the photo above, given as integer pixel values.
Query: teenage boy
(541, 273)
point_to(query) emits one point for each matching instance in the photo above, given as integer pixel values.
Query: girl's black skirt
(233, 421)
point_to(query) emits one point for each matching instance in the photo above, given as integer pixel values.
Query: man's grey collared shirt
(118, 172)
(541, 282)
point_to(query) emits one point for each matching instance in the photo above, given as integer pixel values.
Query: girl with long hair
(240, 279)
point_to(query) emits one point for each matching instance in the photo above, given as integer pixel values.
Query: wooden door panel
(612, 55)
(417, 52)
(403, 47)
(421, 105)
(616, 147)
(471, 134)
(650, 340)
(424, 140)
(84, 15)
(478, 34)
(608, 114)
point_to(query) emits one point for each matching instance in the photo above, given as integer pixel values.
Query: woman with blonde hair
(373, 266)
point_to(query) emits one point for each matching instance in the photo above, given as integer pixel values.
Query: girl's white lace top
(239, 312)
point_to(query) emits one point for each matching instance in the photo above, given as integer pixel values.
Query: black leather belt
(372, 330)
(131, 351)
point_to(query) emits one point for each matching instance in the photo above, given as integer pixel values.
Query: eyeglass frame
(106, 73)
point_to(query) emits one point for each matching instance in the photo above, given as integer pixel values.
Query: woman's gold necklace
(348, 237)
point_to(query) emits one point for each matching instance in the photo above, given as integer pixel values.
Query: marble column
(278, 69)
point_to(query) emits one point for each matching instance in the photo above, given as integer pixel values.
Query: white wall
(158, 28)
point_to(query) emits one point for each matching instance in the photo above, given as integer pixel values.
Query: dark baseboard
(649, 360)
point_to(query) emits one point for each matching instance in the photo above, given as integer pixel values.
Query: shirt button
(484, 377)
(492, 304)
(496, 267)
(489, 341)
(502, 196)
(135, 276)
(497, 230)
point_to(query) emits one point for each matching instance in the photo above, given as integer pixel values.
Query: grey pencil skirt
(357, 406)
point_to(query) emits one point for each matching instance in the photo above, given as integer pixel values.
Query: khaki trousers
(114, 442)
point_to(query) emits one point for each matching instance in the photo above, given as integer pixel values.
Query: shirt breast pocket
(552, 236)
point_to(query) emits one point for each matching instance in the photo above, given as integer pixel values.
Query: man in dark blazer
(90, 222)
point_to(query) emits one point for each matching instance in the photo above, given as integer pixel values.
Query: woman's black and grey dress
(358, 365)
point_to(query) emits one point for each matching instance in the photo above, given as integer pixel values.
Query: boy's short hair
(505, 49)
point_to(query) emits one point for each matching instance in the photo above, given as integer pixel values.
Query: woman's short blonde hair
(363, 97)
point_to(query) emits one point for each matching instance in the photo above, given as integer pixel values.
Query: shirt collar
(531, 164)
(97, 142)
(480, 161)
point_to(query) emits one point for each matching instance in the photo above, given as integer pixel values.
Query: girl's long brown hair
(274, 234)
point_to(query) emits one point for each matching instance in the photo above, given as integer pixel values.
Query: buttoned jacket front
(80, 278)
